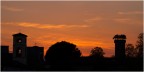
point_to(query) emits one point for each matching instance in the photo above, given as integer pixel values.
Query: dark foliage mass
(139, 45)
(137, 51)
(62, 53)
(97, 52)
(130, 51)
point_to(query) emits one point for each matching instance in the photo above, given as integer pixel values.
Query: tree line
(137, 50)
(64, 52)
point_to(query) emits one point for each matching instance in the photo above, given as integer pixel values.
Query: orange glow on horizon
(85, 24)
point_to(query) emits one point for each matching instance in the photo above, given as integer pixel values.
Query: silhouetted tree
(62, 53)
(139, 45)
(130, 50)
(97, 52)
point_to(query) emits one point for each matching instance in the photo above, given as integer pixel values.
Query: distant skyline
(86, 24)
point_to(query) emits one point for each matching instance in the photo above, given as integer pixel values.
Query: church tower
(20, 48)
(119, 41)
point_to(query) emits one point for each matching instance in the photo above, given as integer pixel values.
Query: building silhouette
(20, 48)
(35, 55)
(119, 41)
(26, 55)
(4, 54)
(6, 57)
(4, 50)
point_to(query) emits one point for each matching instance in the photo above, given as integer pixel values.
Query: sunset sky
(86, 24)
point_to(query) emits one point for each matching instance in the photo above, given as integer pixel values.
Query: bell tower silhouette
(20, 48)
(119, 41)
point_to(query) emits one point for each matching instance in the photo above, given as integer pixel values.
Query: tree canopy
(97, 52)
(130, 51)
(62, 53)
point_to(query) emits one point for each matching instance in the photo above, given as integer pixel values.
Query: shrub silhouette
(97, 52)
(62, 53)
